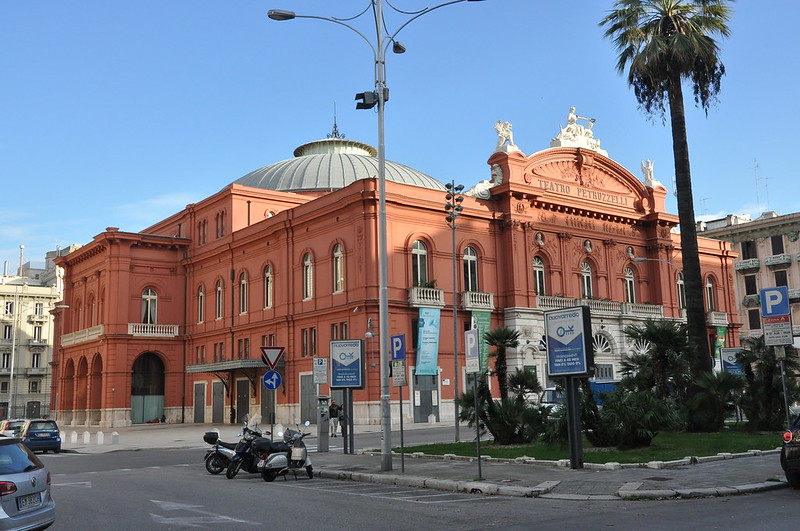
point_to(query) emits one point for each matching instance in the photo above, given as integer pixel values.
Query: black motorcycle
(218, 457)
(250, 449)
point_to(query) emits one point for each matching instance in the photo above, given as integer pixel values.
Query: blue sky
(120, 114)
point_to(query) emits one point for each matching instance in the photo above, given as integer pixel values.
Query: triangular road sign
(271, 355)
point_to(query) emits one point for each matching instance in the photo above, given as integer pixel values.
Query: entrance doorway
(200, 402)
(425, 398)
(147, 389)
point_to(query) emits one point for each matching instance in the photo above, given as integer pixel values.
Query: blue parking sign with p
(398, 347)
(774, 301)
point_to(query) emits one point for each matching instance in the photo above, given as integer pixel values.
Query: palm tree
(666, 42)
(502, 338)
(667, 342)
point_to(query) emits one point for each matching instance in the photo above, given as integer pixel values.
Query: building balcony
(82, 336)
(35, 371)
(37, 342)
(153, 330)
(549, 302)
(747, 266)
(717, 319)
(794, 295)
(35, 318)
(6, 317)
(778, 261)
(751, 301)
(476, 300)
(419, 297)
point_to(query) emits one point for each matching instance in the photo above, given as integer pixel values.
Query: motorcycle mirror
(307, 423)
(280, 434)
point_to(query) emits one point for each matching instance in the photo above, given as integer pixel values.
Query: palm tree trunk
(695, 309)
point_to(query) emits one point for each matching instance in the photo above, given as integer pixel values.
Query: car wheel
(57, 451)
(233, 469)
(214, 464)
(793, 478)
(269, 475)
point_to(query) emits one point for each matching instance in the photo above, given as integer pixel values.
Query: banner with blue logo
(346, 363)
(428, 342)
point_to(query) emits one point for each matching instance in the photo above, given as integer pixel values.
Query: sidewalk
(722, 475)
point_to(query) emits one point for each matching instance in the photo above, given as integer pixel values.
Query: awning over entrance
(227, 365)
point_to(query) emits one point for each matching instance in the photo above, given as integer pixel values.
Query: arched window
(338, 268)
(149, 303)
(630, 286)
(681, 291)
(243, 293)
(470, 269)
(308, 277)
(201, 304)
(218, 303)
(710, 294)
(586, 280)
(539, 285)
(268, 287)
(419, 264)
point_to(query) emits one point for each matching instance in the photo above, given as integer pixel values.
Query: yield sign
(271, 355)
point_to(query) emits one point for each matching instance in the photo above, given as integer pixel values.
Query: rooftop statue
(505, 138)
(575, 134)
(647, 169)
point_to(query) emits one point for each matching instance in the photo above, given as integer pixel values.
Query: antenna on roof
(756, 178)
(335, 133)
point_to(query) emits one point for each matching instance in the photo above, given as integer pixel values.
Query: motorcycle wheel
(233, 469)
(214, 464)
(269, 475)
(310, 472)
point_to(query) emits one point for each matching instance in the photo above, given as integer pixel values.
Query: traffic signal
(368, 100)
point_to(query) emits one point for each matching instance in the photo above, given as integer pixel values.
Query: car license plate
(28, 502)
(42, 435)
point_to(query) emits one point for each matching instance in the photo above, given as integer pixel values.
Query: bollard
(115, 438)
(100, 438)
(87, 437)
(73, 437)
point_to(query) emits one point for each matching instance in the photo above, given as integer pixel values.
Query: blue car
(41, 435)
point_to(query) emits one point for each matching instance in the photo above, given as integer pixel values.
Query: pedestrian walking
(334, 411)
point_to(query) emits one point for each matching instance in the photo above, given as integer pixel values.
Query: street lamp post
(453, 207)
(369, 100)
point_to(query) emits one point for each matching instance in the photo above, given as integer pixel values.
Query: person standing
(334, 410)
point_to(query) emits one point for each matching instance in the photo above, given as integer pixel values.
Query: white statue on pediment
(505, 138)
(647, 170)
(575, 134)
(481, 190)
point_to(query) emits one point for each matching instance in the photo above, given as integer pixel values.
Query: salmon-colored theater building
(167, 323)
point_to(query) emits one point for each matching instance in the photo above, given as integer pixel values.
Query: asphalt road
(170, 489)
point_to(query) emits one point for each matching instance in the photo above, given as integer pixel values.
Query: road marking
(82, 484)
(205, 517)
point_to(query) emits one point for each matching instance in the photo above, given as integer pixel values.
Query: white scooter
(289, 457)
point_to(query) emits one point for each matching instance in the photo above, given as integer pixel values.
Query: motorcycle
(290, 457)
(218, 457)
(248, 451)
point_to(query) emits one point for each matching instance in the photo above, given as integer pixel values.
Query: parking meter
(323, 423)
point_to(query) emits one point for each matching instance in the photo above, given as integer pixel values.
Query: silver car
(25, 501)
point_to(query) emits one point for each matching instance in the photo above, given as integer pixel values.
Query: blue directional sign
(398, 347)
(272, 380)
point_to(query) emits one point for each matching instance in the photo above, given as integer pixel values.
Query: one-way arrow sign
(271, 355)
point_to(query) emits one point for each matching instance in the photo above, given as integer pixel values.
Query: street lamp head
(397, 47)
(280, 14)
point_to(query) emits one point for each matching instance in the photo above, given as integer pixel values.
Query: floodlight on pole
(379, 55)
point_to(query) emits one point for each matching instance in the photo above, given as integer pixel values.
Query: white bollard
(115, 438)
(73, 437)
(100, 438)
(87, 437)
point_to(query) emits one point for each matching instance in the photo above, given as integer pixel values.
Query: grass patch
(666, 447)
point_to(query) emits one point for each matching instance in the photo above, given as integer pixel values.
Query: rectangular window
(7, 332)
(6, 360)
(240, 348)
(4, 389)
(37, 333)
(777, 244)
(754, 319)
(343, 330)
(36, 358)
(33, 386)
(304, 345)
(604, 371)
(749, 250)
(781, 279)
(38, 308)
(750, 287)
(334, 331)
(9, 308)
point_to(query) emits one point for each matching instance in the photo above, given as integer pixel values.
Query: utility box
(323, 423)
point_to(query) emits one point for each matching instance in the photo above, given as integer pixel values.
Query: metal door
(242, 399)
(267, 406)
(425, 398)
(308, 399)
(200, 403)
(217, 403)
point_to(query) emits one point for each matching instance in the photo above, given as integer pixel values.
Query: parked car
(554, 399)
(790, 454)
(25, 501)
(41, 435)
(11, 427)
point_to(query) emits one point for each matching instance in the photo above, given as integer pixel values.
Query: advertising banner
(729, 361)
(347, 363)
(483, 320)
(569, 341)
(428, 342)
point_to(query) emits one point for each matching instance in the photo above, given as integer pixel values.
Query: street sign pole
(776, 317)
(473, 367)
